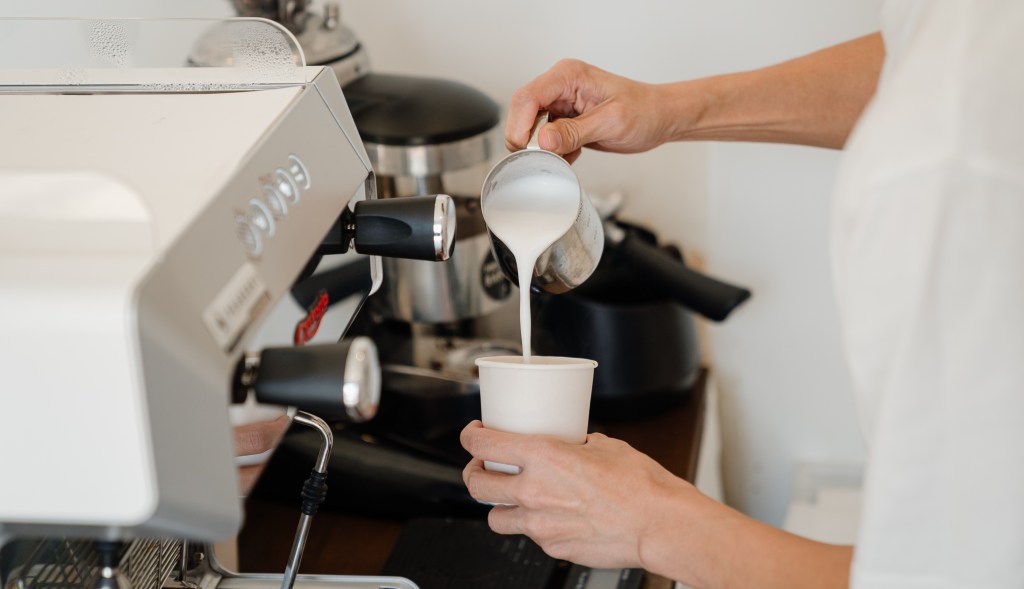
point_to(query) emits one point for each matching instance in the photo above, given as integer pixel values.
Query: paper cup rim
(564, 363)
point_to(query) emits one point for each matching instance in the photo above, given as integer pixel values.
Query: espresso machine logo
(310, 324)
(493, 279)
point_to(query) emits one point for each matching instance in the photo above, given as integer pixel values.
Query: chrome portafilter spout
(111, 576)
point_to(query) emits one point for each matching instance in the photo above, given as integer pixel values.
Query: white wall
(757, 214)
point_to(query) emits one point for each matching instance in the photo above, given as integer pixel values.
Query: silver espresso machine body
(152, 217)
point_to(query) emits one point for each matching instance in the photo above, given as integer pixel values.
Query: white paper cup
(547, 395)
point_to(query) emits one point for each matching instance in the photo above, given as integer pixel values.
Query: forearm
(711, 546)
(811, 100)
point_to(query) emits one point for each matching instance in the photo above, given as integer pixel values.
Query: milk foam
(528, 215)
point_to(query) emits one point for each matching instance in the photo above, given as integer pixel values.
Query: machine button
(249, 236)
(261, 217)
(299, 172)
(287, 186)
(275, 200)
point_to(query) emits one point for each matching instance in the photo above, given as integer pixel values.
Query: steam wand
(313, 492)
(340, 380)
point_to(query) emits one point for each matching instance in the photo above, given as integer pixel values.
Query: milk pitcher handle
(542, 119)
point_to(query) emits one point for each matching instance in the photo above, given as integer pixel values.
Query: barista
(928, 250)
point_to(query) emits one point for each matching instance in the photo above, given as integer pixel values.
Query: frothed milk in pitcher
(529, 214)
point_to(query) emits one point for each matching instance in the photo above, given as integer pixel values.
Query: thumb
(564, 136)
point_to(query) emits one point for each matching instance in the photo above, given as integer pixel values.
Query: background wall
(755, 214)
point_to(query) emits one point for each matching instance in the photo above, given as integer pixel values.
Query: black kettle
(635, 317)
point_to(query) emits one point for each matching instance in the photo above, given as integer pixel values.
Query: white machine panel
(144, 237)
(72, 244)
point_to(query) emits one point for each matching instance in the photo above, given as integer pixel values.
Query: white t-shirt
(929, 265)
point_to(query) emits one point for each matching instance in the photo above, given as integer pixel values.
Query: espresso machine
(153, 220)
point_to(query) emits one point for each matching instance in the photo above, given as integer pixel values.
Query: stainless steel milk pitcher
(572, 258)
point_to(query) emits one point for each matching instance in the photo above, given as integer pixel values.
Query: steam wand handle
(415, 228)
(313, 492)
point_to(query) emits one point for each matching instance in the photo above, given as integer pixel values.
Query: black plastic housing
(397, 228)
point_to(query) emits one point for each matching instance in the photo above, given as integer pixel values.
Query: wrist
(675, 543)
(690, 107)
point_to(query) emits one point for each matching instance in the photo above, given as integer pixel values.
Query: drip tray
(316, 582)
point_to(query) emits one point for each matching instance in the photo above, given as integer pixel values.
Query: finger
(551, 90)
(495, 446)
(256, 438)
(467, 431)
(489, 487)
(566, 135)
(506, 519)
(526, 102)
(474, 465)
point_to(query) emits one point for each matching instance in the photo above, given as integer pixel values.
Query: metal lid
(408, 111)
(325, 40)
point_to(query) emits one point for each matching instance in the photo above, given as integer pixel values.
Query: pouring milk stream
(537, 213)
(539, 217)
(528, 215)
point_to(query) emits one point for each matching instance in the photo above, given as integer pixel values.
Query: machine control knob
(334, 381)
(261, 217)
(274, 199)
(279, 191)
(419, 228)
(287, 186)
(249, 235)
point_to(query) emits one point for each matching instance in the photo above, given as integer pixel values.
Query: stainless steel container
(574, 256)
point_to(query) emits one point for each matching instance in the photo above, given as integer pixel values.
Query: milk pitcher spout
(572, 257)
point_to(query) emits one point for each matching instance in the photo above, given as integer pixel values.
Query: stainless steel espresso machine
(153, 219)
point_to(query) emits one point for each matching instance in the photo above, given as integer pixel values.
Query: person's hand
(256, 438)
(593, 108)
(592, 504)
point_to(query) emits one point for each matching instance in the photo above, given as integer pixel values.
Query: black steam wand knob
(417, 228)
(336, 381)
